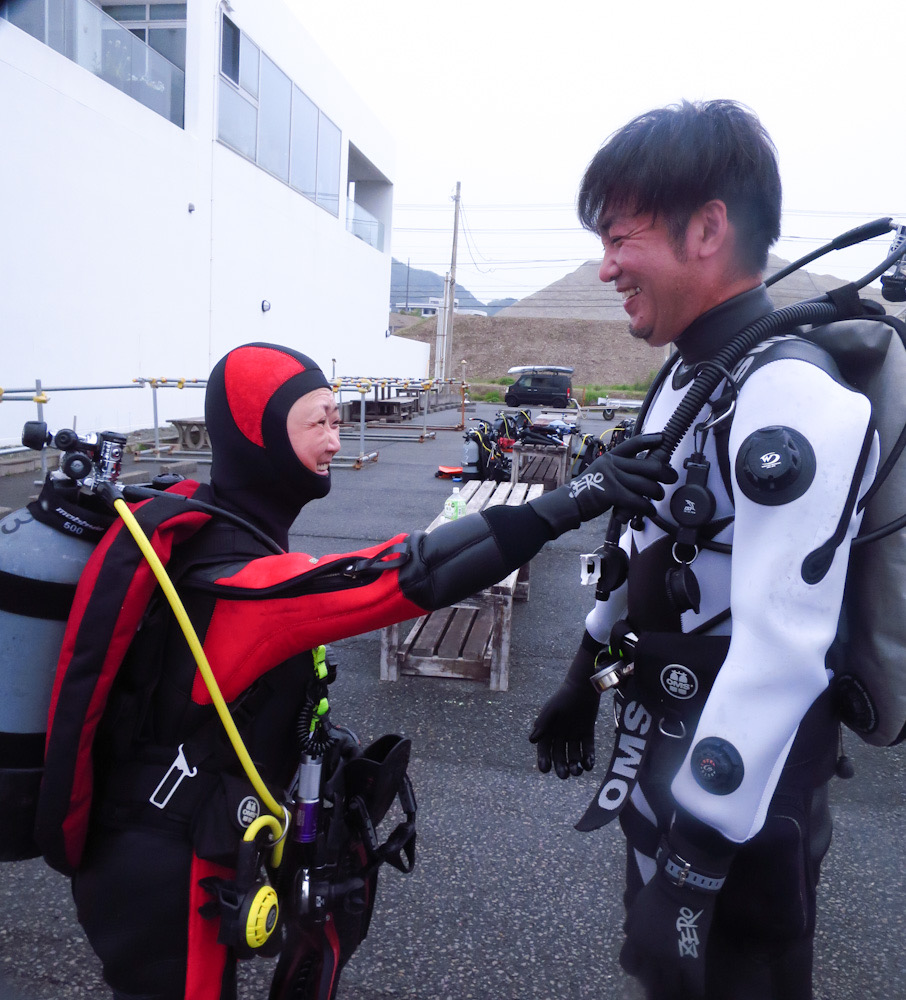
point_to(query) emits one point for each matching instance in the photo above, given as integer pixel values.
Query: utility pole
(440, 334)
(448, 333)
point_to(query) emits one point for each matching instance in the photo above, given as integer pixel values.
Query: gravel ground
(507, 900)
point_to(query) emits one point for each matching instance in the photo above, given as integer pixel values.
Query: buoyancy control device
(870, 350)
(866, 655)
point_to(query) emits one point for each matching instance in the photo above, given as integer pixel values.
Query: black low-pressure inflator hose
(850, 238)
(781, 321)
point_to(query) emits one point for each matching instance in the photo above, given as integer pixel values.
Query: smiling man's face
(651, 270)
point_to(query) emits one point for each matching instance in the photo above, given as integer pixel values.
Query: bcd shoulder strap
(111, 598)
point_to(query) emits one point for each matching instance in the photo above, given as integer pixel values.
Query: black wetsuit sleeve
(461, 557)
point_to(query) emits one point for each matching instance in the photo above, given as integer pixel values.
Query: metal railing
(381, 388)
(39, 396)
(385, 388)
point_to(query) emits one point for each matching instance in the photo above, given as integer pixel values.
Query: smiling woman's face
(313, 429)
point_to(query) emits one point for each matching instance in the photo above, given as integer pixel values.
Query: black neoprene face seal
(255, 469)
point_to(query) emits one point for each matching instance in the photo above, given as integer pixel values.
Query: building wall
(108, 275)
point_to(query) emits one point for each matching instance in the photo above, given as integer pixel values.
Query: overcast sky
(513, 99)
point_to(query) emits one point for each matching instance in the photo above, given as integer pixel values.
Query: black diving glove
(565, 728)
(615, 479)
(668, 922)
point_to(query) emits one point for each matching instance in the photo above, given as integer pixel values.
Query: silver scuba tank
(39, 569)
(43, 549)
(470, 456)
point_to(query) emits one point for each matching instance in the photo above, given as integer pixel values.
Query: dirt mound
(601, 352)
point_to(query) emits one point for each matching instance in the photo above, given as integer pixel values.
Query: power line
(568, 207)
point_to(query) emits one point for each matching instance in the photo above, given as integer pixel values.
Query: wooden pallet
(540, 463)
(544, 469)
(452, 642)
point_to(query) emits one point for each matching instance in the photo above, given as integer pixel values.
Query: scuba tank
(43, 550)
(471, 456)
(39, 569)
(478, 451)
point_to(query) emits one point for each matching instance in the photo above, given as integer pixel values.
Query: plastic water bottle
(454, 506)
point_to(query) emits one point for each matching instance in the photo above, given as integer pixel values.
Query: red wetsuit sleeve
(276, 606)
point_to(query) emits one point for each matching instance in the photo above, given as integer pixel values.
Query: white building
(178, 179)
(434, 304)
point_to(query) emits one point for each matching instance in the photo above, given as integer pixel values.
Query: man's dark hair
(671, 161)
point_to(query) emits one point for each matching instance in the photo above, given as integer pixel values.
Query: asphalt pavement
(507, 900)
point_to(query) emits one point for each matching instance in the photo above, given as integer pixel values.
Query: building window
(238, 121)
(161, 26)
(274, 117)
(265, 117)
(304, 171)
(328, 195)
(229, 51)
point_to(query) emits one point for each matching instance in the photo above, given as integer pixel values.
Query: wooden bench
(393, 409)
(471, 639)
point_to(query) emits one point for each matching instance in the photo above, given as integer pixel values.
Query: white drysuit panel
(781, 625)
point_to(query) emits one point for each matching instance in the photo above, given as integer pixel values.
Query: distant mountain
(495, 305)
(581, 295)
(409, 284)
(579, 321)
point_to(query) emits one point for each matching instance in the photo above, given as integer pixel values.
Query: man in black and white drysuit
(725, 736)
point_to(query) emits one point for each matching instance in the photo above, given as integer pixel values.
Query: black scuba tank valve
(94, 458)
(75, 464)
(35, 435)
